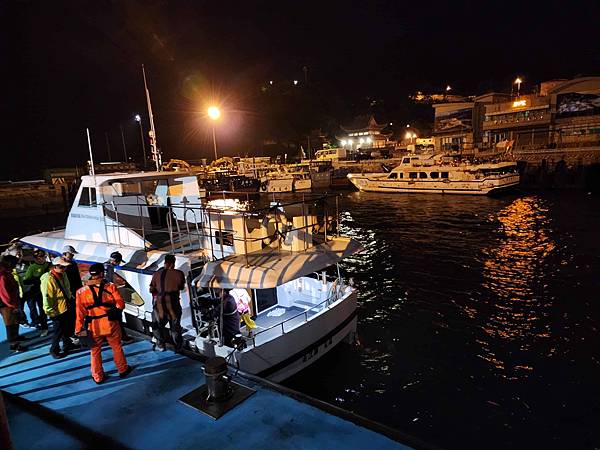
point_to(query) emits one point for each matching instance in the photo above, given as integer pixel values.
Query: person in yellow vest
(56, 294)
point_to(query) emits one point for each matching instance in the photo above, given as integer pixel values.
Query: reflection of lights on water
(512, 272)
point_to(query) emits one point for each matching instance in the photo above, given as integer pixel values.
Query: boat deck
(54, 404)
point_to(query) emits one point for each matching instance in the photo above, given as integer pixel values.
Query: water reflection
(513, 273)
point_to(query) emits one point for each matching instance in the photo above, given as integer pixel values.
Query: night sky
(77, 64)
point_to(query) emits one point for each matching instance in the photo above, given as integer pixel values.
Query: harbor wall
(571, 168)
(34, 198)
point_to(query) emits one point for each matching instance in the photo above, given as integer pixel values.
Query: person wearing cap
(115, 260)
(164, 287)
(99, 306)
(56, 294)
(75, 283)
(9, 302)
(32, 278)
(72, 271)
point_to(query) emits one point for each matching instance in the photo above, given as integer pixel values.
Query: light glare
(214, 113)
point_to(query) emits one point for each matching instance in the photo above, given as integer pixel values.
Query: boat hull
(288, 353)
(483, 186)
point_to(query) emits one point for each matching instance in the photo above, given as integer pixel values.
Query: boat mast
(154, 148)
(92, 169)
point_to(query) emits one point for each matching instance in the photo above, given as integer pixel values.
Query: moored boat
(438, 174)
(273, 254)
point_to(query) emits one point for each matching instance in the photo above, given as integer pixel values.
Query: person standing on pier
(116, 259)
(9, 302)
(75, 283)
(32, 277)
(99, 307)
(165, 287)
(56, 294)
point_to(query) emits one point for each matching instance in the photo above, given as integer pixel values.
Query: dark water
(478, 320)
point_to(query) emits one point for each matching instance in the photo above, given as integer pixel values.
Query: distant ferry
(440, 175)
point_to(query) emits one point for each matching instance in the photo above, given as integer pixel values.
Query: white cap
(60, 261)
(69, 249)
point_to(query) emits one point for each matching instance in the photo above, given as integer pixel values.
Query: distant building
(364, 133)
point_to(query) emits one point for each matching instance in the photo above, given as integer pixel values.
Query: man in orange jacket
(99, 307)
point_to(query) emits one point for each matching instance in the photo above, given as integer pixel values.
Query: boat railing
(186, 227)
(335, 293)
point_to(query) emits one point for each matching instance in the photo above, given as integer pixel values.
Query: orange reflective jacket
(85, 299)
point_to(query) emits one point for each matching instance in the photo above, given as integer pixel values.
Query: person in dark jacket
(116, 260)
(164, 287)
(74, 276)
(231, 318)
(9, 302)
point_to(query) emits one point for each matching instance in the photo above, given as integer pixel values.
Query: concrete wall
(30, 199)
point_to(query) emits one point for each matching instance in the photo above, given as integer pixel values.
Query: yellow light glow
(518, 81)
(214, 113)
(519, 103)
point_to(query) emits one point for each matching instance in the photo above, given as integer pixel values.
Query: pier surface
(55, 404)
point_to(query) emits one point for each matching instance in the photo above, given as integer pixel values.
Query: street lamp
(214, 113)
(518, 82)
(138, 119)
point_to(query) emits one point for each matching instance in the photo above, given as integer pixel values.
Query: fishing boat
(284, 256)
(441, 175)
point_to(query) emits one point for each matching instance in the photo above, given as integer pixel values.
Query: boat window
(401, 175)
(422, 174)
(406, 161)
(444, 174)
(393, 176)
(412, 175)
(434, 175)
(224, 237)
(88, 197)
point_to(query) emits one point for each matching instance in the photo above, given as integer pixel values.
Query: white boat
(302, 181)
(441, 175)
(279, 255)
(277, 181)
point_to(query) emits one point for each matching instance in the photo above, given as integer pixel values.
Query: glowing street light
(214, 113)
(448, 88)
(138, 119)
(295, 82)
(518, 82)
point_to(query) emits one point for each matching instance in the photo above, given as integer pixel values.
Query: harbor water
(478, 321)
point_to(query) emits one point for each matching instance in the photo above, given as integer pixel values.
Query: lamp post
(518, 82)
(214, 113)
(138, 119)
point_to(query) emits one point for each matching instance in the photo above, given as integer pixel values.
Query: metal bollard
(217, 382)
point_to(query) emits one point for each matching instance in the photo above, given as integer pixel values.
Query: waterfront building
(458, 125)
(576, 118)
(561, 114)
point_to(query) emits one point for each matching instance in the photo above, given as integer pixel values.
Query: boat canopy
(271, 268)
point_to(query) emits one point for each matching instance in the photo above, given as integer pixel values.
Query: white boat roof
(272, 268)
(88, 180)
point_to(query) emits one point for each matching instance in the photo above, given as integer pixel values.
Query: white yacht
(283, 256)
(441, 175)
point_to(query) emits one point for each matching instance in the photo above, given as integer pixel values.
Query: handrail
(179, 233)
(329, 300)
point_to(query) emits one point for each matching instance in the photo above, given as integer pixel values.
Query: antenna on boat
(93, 170)
(154, 148)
